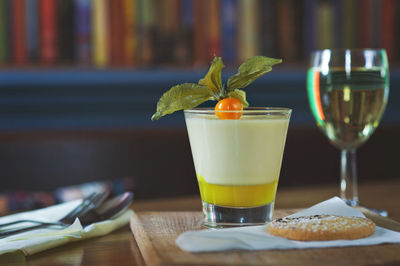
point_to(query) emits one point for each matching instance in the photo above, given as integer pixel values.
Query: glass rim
(248, 110)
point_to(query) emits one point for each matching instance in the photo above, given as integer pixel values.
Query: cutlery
(88, 203)
(107, 210)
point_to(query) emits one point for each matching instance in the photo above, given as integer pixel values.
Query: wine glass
(348, 92)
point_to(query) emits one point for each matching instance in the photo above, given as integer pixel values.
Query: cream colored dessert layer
(247, 151)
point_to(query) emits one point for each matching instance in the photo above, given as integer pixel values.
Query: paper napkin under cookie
(258, 238)
(35, 241)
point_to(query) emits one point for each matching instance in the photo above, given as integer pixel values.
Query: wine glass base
(352, 202)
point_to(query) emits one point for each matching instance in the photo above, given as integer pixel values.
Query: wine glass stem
(348, 177)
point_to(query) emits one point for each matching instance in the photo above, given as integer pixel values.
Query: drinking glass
(237, 162)
(348, 92)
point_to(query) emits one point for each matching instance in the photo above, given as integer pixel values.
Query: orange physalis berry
(229, 104)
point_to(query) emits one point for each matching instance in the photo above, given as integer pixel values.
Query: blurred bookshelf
(188, 33)
(103, 64)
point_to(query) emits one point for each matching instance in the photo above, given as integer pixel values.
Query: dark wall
(160, 161)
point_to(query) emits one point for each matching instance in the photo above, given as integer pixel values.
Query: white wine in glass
(348, 92)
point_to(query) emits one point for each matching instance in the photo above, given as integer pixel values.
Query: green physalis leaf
(213, 78)
(189, 95)
(240, 95)
(251, 70)
(183, 96)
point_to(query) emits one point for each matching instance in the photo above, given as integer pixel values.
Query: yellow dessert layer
(237, 196)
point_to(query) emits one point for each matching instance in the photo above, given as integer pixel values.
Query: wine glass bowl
(348, 91)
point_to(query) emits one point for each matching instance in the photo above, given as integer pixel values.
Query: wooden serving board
(155, 234)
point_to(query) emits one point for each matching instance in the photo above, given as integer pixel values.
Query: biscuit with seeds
(322, 227)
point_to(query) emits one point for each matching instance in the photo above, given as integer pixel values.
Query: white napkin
(35, 241)
(258, 238)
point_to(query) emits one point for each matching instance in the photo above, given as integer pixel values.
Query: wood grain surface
(120, 247)
(155, 233)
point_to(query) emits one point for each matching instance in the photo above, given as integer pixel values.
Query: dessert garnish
(229, 97)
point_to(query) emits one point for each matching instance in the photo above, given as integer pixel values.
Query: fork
(88, 203)
(103, 211)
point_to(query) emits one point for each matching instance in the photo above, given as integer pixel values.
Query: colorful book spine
(189, 32)
(187, 13)
(115, 33)
(200, 53)
(170, 16)
(4, 47)
(286, 41)
(130, 32)
(349, 23)
(18, 32)
(82, 31)
(184, 43)
(325, 23)
(99, 33)
(167, 22)
(48, 19)
(228, 30)
(146, 25)
(32, 29)
(248, 29)
(214, 30)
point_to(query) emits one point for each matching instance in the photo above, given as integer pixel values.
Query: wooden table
(120, 248)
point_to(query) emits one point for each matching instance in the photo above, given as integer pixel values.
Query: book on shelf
(289, 30)
(214, 30)
(83, 29)
(166, 27)
(48, 32)
(115, 38)
(4, 32)
(325, 24)
(18, 32)
(32, 29)
(349, 23)
(199, 38)
(248, 28)
(130, 32)
(143, 33)
(184, 39)
(172, 20)
(146, 32)
(100, 33)
(228, 30)
(365, 15)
